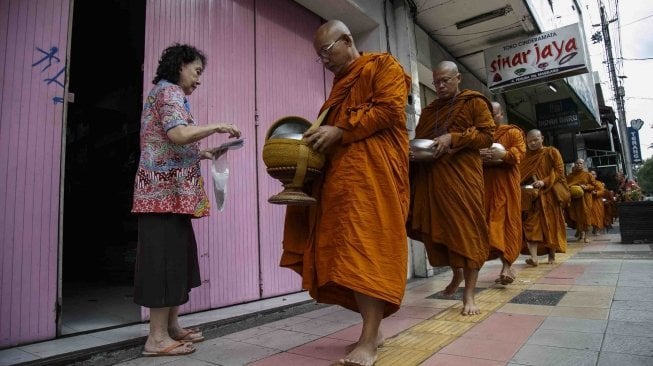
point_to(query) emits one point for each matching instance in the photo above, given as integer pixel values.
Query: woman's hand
(211, 154)
(232, 130)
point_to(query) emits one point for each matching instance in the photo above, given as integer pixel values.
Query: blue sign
(635, 150)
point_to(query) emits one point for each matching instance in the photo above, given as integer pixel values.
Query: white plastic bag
(220, 173)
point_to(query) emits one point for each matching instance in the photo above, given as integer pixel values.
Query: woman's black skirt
(166, 260)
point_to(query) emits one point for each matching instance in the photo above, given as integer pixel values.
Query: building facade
(70, 115)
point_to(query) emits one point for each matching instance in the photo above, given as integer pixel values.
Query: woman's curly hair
(173, 58)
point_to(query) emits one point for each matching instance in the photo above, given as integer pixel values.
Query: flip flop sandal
(168, 351)
(187, 337)
(531, 263)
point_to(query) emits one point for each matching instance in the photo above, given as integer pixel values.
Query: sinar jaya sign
(550, 55)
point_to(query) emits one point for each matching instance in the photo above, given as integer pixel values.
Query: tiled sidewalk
(592, 308)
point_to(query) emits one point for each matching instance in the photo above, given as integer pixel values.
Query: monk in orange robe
(580, 209)
(351, 248)
(543, 223)
(598, 211)
(502, 193)
(447, 212)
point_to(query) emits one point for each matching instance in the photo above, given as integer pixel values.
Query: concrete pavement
(591, 308)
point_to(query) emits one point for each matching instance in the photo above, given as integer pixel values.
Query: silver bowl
(291, 136)
(422, 149)
(499, 147)
(290, 127)
(528, 186)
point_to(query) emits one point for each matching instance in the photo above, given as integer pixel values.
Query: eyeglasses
(325, 52)
(444, 80)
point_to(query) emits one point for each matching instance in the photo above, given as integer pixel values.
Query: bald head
(579, 164)
(446, 79)
(497, 113)
(534, 133)
(330, 28)
(534, 140)
(335, 46)
(447, 66)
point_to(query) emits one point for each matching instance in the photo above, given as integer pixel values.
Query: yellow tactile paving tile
(442, 327)
(453, 313)
(419, 341)
(497, 295)
(401, 356)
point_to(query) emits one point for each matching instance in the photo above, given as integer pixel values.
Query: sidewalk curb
(113, 353)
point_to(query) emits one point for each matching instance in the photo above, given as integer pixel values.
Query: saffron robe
(544, 223)
(502, 195)
(354, 239)
(447, 212)
(598, 211)
(580, 209)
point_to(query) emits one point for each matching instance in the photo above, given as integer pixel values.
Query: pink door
(288, 82)
(33, 45)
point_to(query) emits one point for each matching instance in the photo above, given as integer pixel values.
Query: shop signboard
(635, 150)
(546, 56)
(559, 115)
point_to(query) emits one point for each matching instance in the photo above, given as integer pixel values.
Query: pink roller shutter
(33, 42)
(224, 31)
(288, 82)
(234, 254)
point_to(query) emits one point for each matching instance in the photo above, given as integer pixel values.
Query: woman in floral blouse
(168, 193)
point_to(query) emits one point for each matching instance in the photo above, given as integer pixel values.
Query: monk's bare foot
(469, 306)
(552, 258)
(532, 262)
(364, 354)
(380, 339)
(507, 276)
(456, 280)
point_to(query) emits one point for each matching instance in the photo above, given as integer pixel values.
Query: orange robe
(597, 205)
(502, 195)
(544, 223)
(447, 213)
(580, 209)
(354, 239)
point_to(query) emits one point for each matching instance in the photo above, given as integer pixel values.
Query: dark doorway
(102, 137)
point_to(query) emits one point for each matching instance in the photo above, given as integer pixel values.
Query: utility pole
(618, 94)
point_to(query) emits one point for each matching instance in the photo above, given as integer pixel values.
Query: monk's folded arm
(479, 136)
(549, 179)
(473, 138)
(386, 109)
(515, 151)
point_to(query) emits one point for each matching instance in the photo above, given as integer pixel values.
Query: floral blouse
(168, 177)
